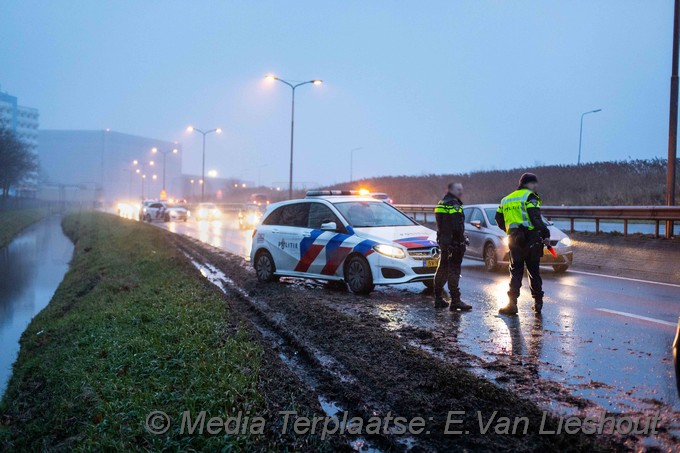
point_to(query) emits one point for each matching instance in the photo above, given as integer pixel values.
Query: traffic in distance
(357, 237)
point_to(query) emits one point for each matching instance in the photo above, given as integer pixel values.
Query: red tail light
(254, 233)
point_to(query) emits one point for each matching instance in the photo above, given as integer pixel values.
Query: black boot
(457, 304)
(511, 308)
(538, 305)
(439, 301)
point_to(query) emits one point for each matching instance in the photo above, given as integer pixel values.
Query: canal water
(31, 268)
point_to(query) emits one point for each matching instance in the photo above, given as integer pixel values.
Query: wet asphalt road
(605, 339)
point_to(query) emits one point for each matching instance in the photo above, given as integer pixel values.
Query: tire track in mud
(353, 360)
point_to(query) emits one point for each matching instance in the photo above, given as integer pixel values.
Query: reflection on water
(31, 268)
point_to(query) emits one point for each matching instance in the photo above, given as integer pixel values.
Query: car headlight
(565, 242)
(506, 241)
(390, 250)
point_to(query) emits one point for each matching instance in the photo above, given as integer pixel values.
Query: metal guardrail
(656, 214)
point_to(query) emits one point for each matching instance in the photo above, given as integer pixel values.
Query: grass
(12, 222)
(131, 329)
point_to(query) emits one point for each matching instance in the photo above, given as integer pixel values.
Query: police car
(340, 236)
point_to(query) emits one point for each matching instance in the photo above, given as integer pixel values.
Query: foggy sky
(422, 87)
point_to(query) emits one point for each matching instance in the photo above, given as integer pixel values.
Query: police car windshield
(367, 214)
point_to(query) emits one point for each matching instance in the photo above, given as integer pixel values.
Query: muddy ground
(343, 356)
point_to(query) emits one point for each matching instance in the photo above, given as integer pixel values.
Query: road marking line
(631, 315)
(624, 278)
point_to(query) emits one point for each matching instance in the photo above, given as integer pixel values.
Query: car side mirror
(476, 223)
(329, 226)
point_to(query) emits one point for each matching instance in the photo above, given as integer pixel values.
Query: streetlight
(141, 170)
(203, 133)
(293, 86)
(580, 136)
(351, 162)
(155, 150)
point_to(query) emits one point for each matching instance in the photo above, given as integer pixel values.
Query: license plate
(430, 263)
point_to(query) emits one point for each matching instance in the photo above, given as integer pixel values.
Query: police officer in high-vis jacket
(452, 241)
(519, 215)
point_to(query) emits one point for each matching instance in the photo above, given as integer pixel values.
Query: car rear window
(289, 215)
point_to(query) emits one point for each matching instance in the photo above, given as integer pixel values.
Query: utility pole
(673, 121)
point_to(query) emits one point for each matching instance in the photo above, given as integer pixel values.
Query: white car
(208, 211)
(339, 236)
(153, 210)
(489, 243)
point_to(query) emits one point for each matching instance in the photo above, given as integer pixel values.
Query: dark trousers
(448, 270)
(525, 251)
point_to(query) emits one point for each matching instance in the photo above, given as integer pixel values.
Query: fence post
(571, 224)
(625, 227)
(597, 226)
(656, 229)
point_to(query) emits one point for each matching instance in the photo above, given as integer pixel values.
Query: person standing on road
(519, 215)
(452, 242)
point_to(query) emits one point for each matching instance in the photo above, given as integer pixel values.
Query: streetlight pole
(673, 121)
(203, 133)
(165, 153)
(141, 171)
(292, 86)
(351, 163)
(580, 135)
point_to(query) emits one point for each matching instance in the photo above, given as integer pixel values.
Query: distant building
(24, 121)
(102, 163)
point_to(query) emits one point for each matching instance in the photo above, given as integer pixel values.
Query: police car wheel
(358, 275)
(560, 268)
(265, 268)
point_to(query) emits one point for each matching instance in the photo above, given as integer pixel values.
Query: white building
(24, 121)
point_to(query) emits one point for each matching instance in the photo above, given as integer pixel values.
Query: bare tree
(17, 162)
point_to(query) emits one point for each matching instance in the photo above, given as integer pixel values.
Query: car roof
(483, 206)
(328, 199)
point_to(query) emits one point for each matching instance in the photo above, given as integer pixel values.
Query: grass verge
(132, 329)
(12, 222)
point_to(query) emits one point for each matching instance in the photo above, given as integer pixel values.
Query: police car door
(288, 234)
(314, 256)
